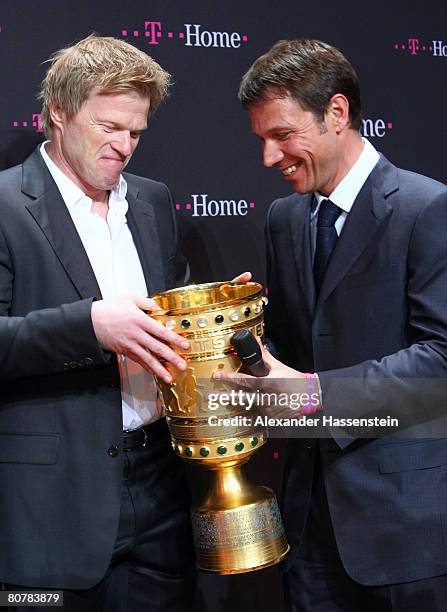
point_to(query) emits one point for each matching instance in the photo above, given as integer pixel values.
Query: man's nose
(271, 154)
(123, 143)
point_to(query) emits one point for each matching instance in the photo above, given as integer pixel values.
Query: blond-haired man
(90, 509)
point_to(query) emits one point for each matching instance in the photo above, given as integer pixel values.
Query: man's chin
(301, 189)
(108, 183)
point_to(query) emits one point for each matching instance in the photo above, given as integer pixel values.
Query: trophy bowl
(237, 525)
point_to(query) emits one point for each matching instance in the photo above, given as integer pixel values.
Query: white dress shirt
(111, 250)
(347, 190)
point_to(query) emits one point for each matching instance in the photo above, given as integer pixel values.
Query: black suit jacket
(60, 402)
(377, 336)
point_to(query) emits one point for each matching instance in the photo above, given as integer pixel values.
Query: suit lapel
(300, 229)
(368, 212)
(143, 226)
(53, 218)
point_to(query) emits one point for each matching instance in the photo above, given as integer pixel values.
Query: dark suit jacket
(60, 401)
(377, 336)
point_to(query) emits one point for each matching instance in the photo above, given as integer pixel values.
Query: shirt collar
(347, 190)
(73, 195)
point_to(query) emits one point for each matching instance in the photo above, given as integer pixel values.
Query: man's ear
(57, 115)
(337, 112)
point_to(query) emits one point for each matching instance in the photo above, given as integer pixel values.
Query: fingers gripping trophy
(237, 526)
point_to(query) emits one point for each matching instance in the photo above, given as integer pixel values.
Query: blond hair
(109, 64)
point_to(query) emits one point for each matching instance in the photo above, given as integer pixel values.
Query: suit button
(66, 366)
(73, 365)
(88, 361)
(309, 449)
(113, 451)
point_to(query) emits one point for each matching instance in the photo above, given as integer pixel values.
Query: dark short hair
(309, 71)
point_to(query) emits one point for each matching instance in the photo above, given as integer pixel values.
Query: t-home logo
(375, 128)
(201, 205)
(417, 46)
(191, 35)
(32, 122)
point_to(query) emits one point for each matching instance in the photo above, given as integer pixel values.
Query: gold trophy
(237, 526)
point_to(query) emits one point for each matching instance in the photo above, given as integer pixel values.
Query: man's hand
(121, 326)
(277, 373)
(244, 277)
(303, 396)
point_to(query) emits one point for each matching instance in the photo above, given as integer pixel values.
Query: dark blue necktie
(326, 239)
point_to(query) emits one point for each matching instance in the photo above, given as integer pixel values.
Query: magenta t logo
(413, 45)
(36, 122)
(152, 31)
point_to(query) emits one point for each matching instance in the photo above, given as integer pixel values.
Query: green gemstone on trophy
(221, 450)
(204, 452)
(247, 311)
(186, 323)
(177, 449)
(219, 319)
(254, 441)
(188, 451)
(239, 446)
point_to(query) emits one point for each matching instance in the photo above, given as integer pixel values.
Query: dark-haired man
(357, 277)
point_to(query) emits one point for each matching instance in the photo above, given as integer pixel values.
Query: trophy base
(243, 539)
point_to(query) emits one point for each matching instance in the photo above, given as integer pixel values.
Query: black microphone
(249, 352)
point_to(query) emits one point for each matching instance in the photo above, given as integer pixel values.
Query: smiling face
(93, 147)
(308, 153)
